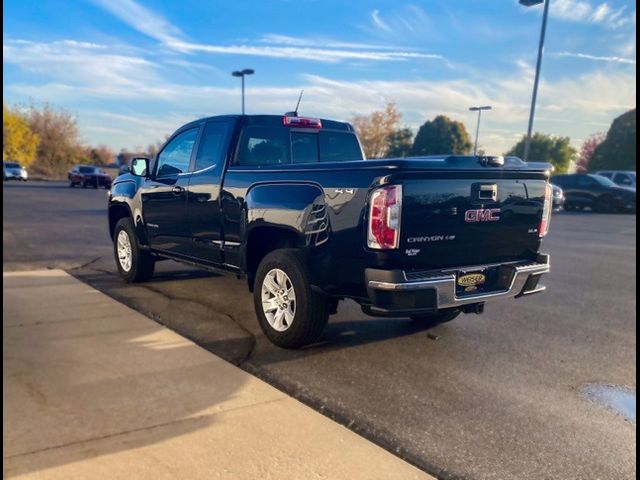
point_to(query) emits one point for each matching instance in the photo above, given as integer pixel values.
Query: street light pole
(479, 110)
(529, 3)
(242, 74)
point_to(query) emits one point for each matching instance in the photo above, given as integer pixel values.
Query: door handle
(177, 190)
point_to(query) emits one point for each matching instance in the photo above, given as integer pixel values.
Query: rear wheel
(72, 185)
(290, 313)
(441, 316)
(134, 264)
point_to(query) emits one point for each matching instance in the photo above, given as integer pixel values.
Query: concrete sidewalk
(93, 389)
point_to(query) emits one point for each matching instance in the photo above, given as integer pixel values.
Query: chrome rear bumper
(396, 291)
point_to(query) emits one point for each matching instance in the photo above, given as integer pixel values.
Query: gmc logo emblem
(482, 215)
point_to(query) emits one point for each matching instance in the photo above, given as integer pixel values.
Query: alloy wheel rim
(278, 299)
(124, 250)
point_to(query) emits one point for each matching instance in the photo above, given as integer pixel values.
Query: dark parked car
(596, 192)
(89, 176)
(558, 198)
(290, 204)
(14, 171)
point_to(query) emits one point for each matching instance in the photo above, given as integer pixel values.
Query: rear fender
(297, 207)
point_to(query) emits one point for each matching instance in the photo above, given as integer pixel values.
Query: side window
(212, 146)
(261, 145)
(605, 174)
(175, 157)
(339, 147)
(304, 147)
(584, 181)
(623, 179)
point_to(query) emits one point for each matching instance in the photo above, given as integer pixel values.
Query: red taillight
(302, 122)
(543, 229)
(384, 217)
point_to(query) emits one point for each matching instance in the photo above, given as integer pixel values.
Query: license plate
(471, 279)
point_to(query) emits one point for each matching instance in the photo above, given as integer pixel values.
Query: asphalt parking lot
(490, 396)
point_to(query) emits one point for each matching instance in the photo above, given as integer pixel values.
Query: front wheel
(290, 313)
(441, 316)
(606, 204)
(134, 264)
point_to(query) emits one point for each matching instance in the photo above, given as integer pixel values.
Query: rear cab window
(277, 145)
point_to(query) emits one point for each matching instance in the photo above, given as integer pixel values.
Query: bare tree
(100, 155)
(59, 146)
(375, 130)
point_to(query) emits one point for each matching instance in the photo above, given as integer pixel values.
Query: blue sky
(135, 70)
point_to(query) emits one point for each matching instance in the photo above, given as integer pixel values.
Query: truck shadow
(98, 384)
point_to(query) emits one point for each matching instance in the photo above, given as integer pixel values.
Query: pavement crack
(194, 418)
(85, 265)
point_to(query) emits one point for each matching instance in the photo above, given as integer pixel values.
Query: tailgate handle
(488, 192)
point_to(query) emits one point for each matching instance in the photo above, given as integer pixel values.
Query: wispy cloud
(83, 63)
(304, 53)
(277, 39)
(378, 22)
(585, 11)
(86, 74)
(142, 19)
(408, 21)
(155, 26)
(585, 56)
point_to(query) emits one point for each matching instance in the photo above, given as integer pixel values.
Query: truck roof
(271, 120)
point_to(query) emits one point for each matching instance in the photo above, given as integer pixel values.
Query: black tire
(606, 204)
(72, 185)
(311, 308)
(441, 316)
(84, 184)
(142, 262)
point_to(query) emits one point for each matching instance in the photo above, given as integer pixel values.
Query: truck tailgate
(449, 222)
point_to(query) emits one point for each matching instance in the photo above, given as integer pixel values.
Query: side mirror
(140, 167)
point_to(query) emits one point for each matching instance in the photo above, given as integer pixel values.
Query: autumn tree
(441, 136)
(547, 148)
(100, 155)
(59, 146)
(374, 130)
(19, 142)
(587, 150)
(400, 143)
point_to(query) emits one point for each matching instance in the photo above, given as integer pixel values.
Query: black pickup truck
(291, 204)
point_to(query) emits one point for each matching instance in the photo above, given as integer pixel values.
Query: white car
(14, 171)
(624, 178)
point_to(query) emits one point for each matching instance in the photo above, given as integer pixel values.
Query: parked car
(89, 176)
(624, 178)
(289, 204)
(14, 171)
(596, 192)
(558, 198)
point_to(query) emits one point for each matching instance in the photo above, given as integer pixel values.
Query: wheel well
(116, 212)
(262, 241)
